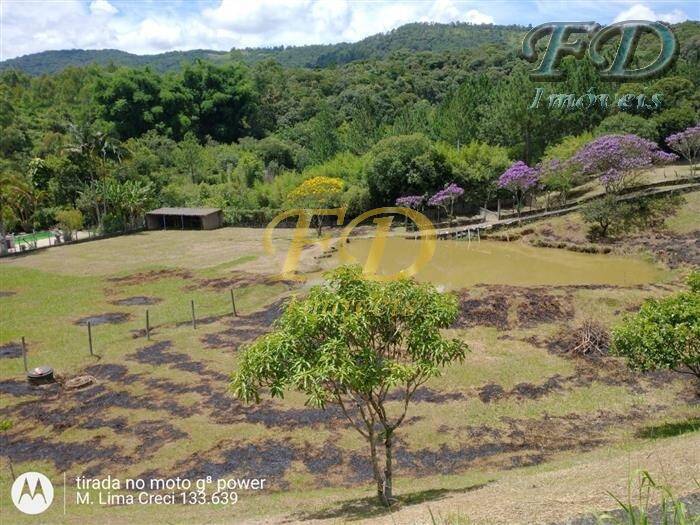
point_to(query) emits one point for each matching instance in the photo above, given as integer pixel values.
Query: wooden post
(148, 326)
(233, 303)
(24, 354)
(194, 319)
(499, 209)
(90, 337)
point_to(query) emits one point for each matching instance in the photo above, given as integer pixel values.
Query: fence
(188, 313)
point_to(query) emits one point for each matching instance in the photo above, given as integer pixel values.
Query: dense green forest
(403, 113)
(410, 37)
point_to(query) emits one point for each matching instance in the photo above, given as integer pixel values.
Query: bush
(69, 221)
(664, 334)
(113, 223)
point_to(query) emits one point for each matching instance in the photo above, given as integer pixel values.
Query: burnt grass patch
(137, 300)
(158, 354)
(537, 306)
(150, 276)
(77, 408)
(63, 454)
(237, 280)
(491, 306)
(155, 434)
(10, 350)
(106, 318)
(269, 459)
(245, 328)
(426, 395)
(15, 388)
(491, 310)
(112, 372)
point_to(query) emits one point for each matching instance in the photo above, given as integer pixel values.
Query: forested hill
(411, 37)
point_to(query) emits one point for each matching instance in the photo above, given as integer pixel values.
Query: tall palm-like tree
(13, 189)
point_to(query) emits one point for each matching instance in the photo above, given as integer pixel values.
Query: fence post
(194, 319)
(148, 326)
(90, 337)
(233, 303)
(24, 354)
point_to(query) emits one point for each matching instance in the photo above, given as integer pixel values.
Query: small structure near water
(184, 219)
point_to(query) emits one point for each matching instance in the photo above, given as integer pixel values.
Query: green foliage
(244, 119)
(405, 165)
(567, 147)
(665, 333)
(625, 123)
(352, 342)
(70, 220)
(602, 214)
(610, 215)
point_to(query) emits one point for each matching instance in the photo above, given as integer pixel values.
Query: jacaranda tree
(687, 144)
(618, 160)
(446, 197)
(363, 345)
(519, 180)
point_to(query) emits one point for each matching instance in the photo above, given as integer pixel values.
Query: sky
(156, 26)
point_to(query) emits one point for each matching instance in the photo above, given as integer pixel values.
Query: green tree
(405, 165)
(69, 221)
(218, 99)
(602, 214)
(130, 98)
(357, 343)
(665, 333)
(626, 123)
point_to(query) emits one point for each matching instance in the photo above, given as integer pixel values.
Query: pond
(459, 264)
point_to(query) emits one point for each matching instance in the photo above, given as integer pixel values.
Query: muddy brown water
(459, 264)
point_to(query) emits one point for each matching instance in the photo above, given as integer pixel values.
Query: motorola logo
(32, 493)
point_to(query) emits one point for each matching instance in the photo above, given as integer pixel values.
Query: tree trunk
(3, 242)
(376, 472)
(387, 495)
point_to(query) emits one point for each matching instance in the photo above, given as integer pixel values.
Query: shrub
(664, 333)
(69, 221)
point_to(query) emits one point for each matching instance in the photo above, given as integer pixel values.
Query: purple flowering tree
(446, 197)
(520, 179)
(687, 144)
(619, 160)
(415, 202)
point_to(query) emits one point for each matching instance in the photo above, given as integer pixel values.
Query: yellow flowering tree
(317, 192)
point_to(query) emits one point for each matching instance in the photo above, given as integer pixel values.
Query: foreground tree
(664, 333)
(352, 342)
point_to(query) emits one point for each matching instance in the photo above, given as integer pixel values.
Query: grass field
(518, 422)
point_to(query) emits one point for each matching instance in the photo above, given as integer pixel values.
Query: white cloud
(643, 12)
(102, 7)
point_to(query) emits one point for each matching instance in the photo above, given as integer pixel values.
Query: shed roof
(195, 212)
